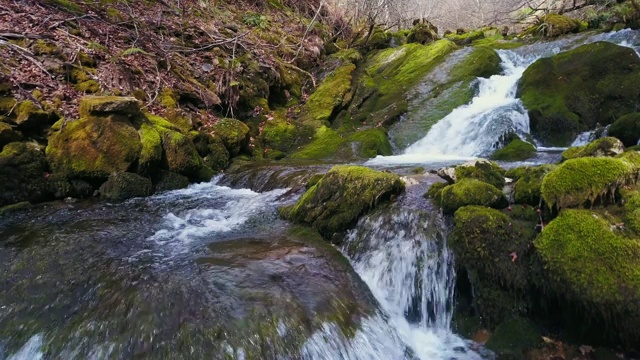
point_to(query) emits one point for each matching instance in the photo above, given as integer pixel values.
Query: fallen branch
(295, 68)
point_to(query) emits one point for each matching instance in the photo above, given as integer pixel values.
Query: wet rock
(124, 185)
(574, 91)
(61, 187)
(607, 146)
(480, 169)
(22, 174)
(471, 192)
(234, 135)
(171, 181)
(345, 193)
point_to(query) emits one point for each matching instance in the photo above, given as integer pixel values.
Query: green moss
(329, 95)
(351, 55)
(325, 144)
(88, 87)
(66, 5)
(218, 157)
(336, 201)
(582, 180)
(42, 47)
(114, 14)
(86, 60)
(576, 90)
(627, 129)
(101, 105)
(471, 192)
(481, 62)
(370, 143)
(607, 146)
(466, 38)
(168, 98)
(423, 33)
(180, 154)
(151, 153)
(123, 185)
(528, 183)
(435, 192)
(94, 147)
(4, 210)
(553, 25)
(516, 150)
(590, 261)
(234, 135)
(279, 134)
(7, 105)
(482, 170)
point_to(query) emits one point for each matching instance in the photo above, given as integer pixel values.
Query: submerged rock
(576, 90)
(343, 194)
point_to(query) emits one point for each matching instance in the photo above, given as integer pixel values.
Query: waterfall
(401, 255)
(473, 129)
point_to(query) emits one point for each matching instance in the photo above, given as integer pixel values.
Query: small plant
(131, 51)
(256, 20)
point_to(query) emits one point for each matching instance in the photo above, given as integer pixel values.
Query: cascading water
(473, 129)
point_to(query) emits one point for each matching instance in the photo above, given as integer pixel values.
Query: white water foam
(31, 350)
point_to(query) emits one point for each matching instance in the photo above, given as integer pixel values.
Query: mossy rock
(379, 39)
(435, 192)
(577, 90)
(343, 194)
(484, 240)
(483, 170)
(553, 25)
(151, 152)
(595, 268)
(8, 134)
(22, 174)
(627, 129)
(528, 183)
(124, 185)
(513, 337)
(466, 38)
(93, 148)
(218, 157)
(181, 155)
(279, 134)
(168, 180)
(104, 105)
(8, 209)
(329, 144)
(471, 192)
(607, 146)
(586, 180)
(632, 210)
(516, 150)
(30, 117)
(234, 135)
(62, 187)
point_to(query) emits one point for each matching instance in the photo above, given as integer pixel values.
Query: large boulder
(23, 171)
(341, 196)
(593, 266)
(104, 105)
(480, 169)
(576, 90)
(516, 150)
(528, 181)
(93, 147)
(234, 135)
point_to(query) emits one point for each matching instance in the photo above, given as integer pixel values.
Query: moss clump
(351, 55)
(423, 33)
(279, 134)
(42, 47)
(234, 135)
(482, 170)
(471, 192)
(123, 185)
(94, 147)
(168, 98)
(7, 105)
(4, 210)
(345, 193)
(481, 62)
(466, 38)
(88, 87)
(379, 39)
(607, 146)
(30, 117)
(528, 183)
(151, 152)
(330, 95)
(435, 192)
(576, 90)
(582, 180)
(590, 263)
(516, 150)
(218, 157)
(627, 129)
(180, 154)
(327, 143)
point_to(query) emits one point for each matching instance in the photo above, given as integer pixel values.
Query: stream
(212, 272)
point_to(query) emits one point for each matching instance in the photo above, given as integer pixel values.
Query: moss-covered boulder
(22, 174)
(586, 180)
(29, 117)
(329, 144)
(423, 33)
(516, 150)
(151, 151)
(343, 194)
(234, 135)
(168, 180)
(93, 148)
(124, 185)
(596, 268)
(627, 129)
(482, 170)
(471, 192)
(576, 90)
(607, 146)
(553, 25)
(485, 241)
(466, 37)
(8, 134)
(513, 337)
(528, 182)
(218, 157)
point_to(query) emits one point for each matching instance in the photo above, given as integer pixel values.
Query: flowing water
(474, 130)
